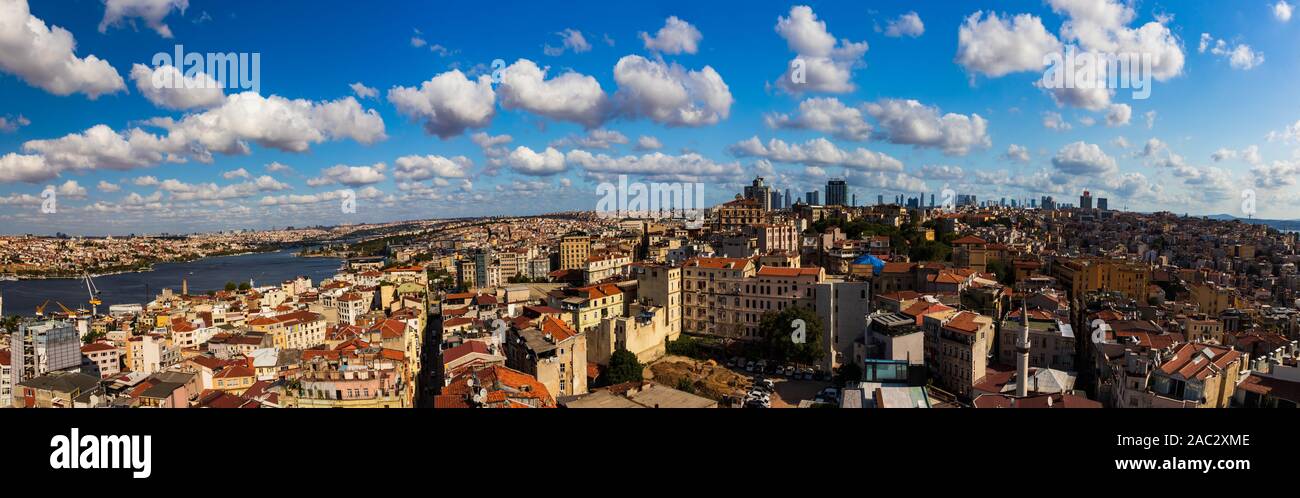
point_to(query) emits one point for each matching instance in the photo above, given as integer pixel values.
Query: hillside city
(766, 301)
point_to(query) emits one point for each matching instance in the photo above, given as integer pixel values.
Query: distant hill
(1290, 225)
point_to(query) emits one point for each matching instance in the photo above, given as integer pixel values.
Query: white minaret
(1022, 355)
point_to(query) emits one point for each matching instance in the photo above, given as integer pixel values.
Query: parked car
(749, 366)
(765, 383)
(818, 374)
(789, 371)
(732, 361)
(807, 374)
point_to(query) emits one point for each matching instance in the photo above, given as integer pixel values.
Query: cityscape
(763, 205)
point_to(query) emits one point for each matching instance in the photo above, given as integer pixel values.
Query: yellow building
(575, 248)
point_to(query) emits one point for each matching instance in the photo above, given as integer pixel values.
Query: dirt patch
(705, 378)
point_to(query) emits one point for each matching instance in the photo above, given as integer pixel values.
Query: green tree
(231, 286)
(623, 367)
(245, 286)
(780, 338)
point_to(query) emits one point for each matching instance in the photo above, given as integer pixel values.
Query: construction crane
(40, 310)
(94, 295)
(70, 312)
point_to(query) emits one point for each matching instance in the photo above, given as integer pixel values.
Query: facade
(553, 353)
(43, 347)
(574, 251)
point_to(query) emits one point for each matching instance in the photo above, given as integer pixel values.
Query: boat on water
(8, 278)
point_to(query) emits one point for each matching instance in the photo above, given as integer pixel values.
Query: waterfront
(22, 297)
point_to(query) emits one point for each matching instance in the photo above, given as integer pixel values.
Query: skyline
(409, 111)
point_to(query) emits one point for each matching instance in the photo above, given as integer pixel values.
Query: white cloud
(816, 152)
(448, 104)
(1017, 153)
(25, 168)
(548, 162)
(1276, 175)
(1118, 115)
(676, 37)
(1240, 55)
(151, 11)
(10, 124)
(145, 181)
(485, 140)
(277, 167)
(571, 39)
(72, 190)
(1084, 159)
(599, 138)
(1250, 155)
(416, 168)
(568, 97)
(44, 56)
(827, 67)
(942, 172)
(655, 166)
(645, 142)
(167, 87)
(1102, 26)
(1151, 119)
(912, 123)
(908, 24)
(352, 176)
(670, 94)
(363, 91)
(236, 173)
(107, 187)
(1282, 11)
(825, 114)
(1054, 121)
(994, 46)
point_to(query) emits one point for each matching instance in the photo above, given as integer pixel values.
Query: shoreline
(151, 266)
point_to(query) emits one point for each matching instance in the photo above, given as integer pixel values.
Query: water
(22, 297)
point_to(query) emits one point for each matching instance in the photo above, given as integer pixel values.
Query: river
(22, 297)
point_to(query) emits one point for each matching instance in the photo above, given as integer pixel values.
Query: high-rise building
(574, 249)
(39, 348)
(762, 192)
(1102, 203)
(1085, 200)
(836, 192)
(813, 198)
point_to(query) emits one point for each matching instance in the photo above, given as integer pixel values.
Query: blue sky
(917, 107)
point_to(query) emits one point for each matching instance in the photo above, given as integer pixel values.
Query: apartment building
(1196, 376)
(661, 286)
(587, 306)
(575, 248)
(295, 330)
(959, 344)
(351, 378)
(553, 352)
(711, 303)
(1051, 342)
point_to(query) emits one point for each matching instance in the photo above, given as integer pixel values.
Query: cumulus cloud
(1240, 55)
(1118, 115)
(568, 97)
(448, 104)
(908, 24)
(676, 37)
(826, 65)
(646, 142)
(9, 124)
(816, 152)
(107, 187)
(1278, 174)
(1084, 159)
(911, 123)
(1054, 121)
(942, 172)
(363, 92)
(995, 46)
(352, 176)
(45, 56)
(167, 87)
(824, 114)
(276, 122)
(236, 173)
(655, 166)
(416, 168)
(595, 139)
(1249, 154)
(526, 161)
(1282, 11)
(1102, 26)
(1018, 153)
(670, 94)
(570, 39)
(151, 11)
